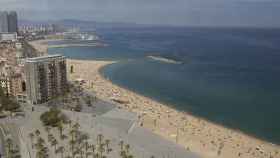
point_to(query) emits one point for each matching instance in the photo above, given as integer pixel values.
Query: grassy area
(54, 117)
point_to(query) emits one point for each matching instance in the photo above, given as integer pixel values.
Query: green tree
(53, 117)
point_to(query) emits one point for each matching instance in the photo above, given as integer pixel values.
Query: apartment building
(46, 78)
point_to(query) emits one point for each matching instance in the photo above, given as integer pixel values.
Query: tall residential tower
(12, 22)
(46, 78)
(8, 22)
(4, 26)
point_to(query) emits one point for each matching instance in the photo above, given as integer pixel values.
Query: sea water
(230, 76)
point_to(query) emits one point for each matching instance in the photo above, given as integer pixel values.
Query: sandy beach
(193, 133)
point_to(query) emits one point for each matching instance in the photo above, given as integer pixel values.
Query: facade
(4, 24)
(12, 22)
(12, 84)
(8, 37)
(5, 84)
(8, 22)
(46, 78)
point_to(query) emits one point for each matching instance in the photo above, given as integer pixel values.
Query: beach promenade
(192, 133)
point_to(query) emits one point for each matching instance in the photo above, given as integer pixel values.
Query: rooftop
(44, 58)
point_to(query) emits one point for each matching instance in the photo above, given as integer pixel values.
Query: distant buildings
(4, 24)
(12, 22)
(13, 84)
(11, 79)
(8, 37)
(46, 78)
(8, 26)
(8, 22)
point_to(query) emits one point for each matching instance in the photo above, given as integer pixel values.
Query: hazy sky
(175, 12)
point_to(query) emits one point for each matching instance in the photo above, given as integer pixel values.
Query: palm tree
(127, 147)
(72, 143)
(45, 151)
(99, 139)
(37, 132)
(50, 137)
(48, 129)
(61, 150)
(31, 136)
(41, 149)
(60, 128)
(101, 150)
(82, 153)
(121, 144)
(54, 143)
(87, 146)
(76, 126)
(39, 146)
(40, 140)
(9, 144)
(83, 138)
(72, 133)
(107, 142)
(123, 154)
(40, 154)
(87, 154)
(70, 123)
(93, 150)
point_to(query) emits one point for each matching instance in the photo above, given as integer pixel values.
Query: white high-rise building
(45, 78)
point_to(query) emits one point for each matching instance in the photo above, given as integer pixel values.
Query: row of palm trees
(125, 150)
(12, 150)
(76, 142)
(39, 144)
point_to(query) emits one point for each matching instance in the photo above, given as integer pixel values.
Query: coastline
(77, 45)
(42, 45)
(195, 134)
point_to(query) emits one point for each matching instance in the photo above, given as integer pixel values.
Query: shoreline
(195, 134)
(251, 136)
(77, 45)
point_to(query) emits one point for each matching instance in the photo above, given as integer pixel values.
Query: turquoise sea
(230, 76)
